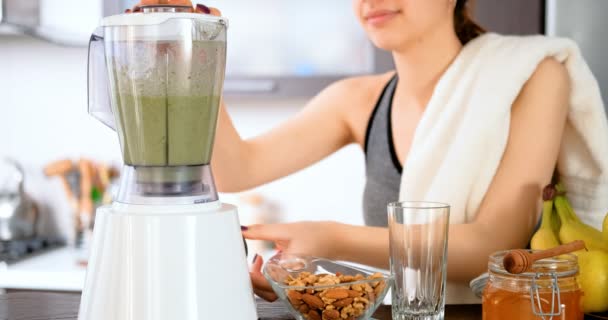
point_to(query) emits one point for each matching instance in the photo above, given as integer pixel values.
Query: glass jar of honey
(548, 290)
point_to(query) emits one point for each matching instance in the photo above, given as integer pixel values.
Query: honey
(549, 291)
(504, 304)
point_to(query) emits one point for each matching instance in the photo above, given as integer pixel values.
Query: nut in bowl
(320, 289)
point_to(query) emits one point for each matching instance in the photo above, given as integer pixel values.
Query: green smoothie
(165, 100)
(189, 142)
(144, 130)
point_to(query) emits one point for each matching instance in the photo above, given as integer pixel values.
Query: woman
(424, 36)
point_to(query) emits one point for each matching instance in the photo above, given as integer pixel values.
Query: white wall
(43, 118)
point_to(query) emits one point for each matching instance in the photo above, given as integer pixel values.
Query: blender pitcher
(156, 78)
(166, 248)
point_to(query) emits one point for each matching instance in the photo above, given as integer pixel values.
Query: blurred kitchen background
(280, 53)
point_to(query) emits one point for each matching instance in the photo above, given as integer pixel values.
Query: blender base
(167, 262)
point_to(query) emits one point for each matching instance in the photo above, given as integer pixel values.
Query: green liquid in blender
(187, 135)
(166, 102)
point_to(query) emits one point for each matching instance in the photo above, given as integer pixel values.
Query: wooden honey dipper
(518, 261)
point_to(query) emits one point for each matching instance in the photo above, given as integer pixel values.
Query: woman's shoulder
(534, 61)
(366, 80)
(363, 89)
(354, 99)
(550, 78)
(550, 70)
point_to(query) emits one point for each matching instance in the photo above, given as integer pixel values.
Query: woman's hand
(306, 238)
(199, 8)
(261, 287)
(319, 239)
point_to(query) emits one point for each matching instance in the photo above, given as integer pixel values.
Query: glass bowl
(320, 289)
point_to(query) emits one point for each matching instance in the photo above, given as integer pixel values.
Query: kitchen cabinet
(65, 22)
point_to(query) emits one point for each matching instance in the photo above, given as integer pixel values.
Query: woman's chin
(386, 43)
(395, 42)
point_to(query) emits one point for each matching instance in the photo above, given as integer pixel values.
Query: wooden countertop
(35, 305)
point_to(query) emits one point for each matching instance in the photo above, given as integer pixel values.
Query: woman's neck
(421, 63)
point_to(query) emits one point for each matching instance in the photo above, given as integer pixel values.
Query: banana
(545, 237)
(605, 227)
(556, 223)
(573, 228)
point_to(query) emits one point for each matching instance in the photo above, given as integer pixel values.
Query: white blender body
(149, 263)
(166, 248)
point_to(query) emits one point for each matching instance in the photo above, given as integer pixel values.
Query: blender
(166, 248)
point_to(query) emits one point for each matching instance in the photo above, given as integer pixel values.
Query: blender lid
(155, 18)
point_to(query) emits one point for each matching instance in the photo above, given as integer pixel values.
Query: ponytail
(466, 28)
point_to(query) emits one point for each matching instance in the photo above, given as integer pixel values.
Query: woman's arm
(317, 131)
(508, 213)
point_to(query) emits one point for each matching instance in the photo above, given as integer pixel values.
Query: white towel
(463, 132)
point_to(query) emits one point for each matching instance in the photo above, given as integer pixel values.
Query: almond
(313, 315)
(313, 302)
(293, 294)
(354, 293)
(336, 293)
(294, 297)
(304, 308)
(331, 314)
(343, 302)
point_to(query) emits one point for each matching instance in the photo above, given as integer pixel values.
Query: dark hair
(466, 28)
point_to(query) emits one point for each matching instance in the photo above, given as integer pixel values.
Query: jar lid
(565, 265)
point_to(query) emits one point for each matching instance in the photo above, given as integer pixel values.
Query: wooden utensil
(519, 261)
(61, 169)
(86, 184)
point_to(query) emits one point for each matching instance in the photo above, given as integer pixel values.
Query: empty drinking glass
(418, 234)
